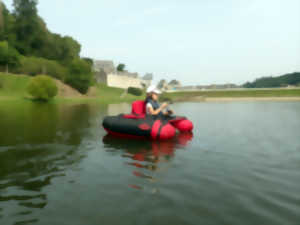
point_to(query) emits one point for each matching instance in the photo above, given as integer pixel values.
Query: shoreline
(249, 99)
(227, 96)
(175, 100)
(235, 99)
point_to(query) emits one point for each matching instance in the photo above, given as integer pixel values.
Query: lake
(240, 166)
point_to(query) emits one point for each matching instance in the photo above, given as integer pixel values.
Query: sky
(197, 42)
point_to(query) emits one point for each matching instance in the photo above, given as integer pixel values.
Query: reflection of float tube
(184, 138)
(140, 148)
(135, 186)
(147, 154)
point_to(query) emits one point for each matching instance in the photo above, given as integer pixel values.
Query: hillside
(292, 79)
(13, 86)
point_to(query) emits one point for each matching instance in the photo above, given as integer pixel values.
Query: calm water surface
(240, 166)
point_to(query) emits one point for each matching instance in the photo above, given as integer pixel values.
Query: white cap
(153, 89)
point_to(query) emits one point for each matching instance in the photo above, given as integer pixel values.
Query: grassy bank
(13, 87)
(107, 94)
(206, 95)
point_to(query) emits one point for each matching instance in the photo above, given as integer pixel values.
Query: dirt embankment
(67, 91)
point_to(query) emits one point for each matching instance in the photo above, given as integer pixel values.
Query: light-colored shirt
(149, 105)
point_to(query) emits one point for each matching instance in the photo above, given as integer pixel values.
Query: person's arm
(169, 112)
(157, 111)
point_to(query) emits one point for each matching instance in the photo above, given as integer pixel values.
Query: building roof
(106, 65)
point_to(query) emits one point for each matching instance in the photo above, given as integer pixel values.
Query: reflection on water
(146, 155)
(240, 166)
(115, 109)
(38, 143)
(34, 123)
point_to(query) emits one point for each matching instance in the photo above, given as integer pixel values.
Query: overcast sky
(194, 41)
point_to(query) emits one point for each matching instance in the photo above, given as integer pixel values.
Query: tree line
(280, 81)
(28, 47)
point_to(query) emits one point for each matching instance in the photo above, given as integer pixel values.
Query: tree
(88, 60)
(55, 47)
(27, 25)
(25, 8)
(80, 75)
(269, 82)
(8, 56)
(1, 15)
(69, 49)
(7, 25)
(34, 66)
(174, 82)
(121, 67)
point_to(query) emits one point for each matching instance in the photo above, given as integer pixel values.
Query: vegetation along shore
(13, 87)
(275, 94)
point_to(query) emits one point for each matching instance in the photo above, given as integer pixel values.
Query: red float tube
(139, 125)
(183, 125)
(131, 127)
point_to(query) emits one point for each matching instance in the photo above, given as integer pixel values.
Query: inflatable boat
(139, 125)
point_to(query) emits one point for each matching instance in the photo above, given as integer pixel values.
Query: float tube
(139, 125)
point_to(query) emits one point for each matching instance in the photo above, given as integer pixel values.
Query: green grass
(103, 95)
(107, 94)
(181, 96)
(14, 87)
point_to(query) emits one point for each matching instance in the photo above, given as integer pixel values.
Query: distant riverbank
(13, 87)
(234, 95)
(252, 99)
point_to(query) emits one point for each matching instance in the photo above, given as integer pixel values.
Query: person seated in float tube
(152, 106)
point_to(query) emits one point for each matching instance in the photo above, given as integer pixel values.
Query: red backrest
(138, 107)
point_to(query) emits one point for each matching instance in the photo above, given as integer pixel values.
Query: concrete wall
(127, 74)
(147, 82)
(114, 80)
(101, 77)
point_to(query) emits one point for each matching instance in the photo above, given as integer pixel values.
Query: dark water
(241, 166)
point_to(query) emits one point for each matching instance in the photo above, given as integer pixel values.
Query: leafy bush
(1, 83)
(80, 75)
(9, 56)
(42, 87)
(34, 66)
(135, 91)
(121, 67)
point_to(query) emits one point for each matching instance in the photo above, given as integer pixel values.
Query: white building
(105, 72)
